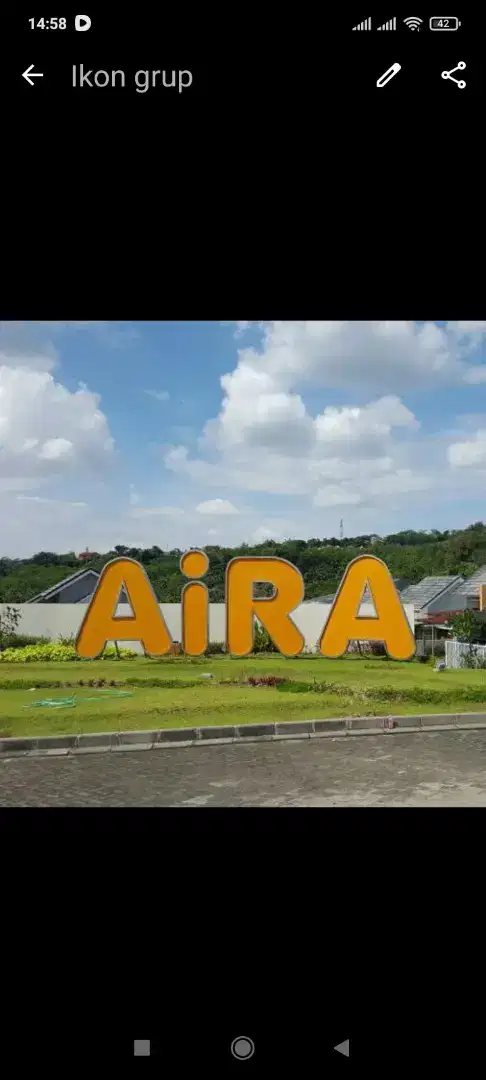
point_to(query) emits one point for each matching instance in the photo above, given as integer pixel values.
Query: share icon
(448, 75)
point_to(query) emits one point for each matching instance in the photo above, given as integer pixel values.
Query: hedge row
(56, 652)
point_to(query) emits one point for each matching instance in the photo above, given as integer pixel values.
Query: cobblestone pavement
(436, 769)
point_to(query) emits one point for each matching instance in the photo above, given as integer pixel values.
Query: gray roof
(401, 584)
(430, 588)
(60, 585)
(88, 573)
(470, 587)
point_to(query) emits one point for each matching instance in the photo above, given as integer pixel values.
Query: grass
(173, 693)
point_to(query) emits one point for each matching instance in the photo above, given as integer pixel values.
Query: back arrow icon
(28, 75)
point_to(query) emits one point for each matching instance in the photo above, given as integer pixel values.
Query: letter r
(274, 613)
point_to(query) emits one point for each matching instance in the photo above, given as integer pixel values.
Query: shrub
(377, 648)
(468, 626)
(111, 653)
(214, 648)
(55, 652)
(265, 680)
(262, 641)
(367, 648)
(19, 641)
(296, 687)
(472, 660)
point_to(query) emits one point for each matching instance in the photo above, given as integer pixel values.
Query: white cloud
(334, 495)
(256, 413)
(280, 448)
(389, 356)
(159, 395)
(57, 502)
(133, 497)
(219, 507)
(465, 327)
(54, 449)
(470, 452)
(157, 511)
(46, 429)
(272, 529)
(401, 481)
(475, 374)
(353, 423)
(49, 435)
(242, 326)
(32, 360)
(266, 439)
(25, 336)
(263, 533)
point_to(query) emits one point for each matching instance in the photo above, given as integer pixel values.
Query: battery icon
(444, 24)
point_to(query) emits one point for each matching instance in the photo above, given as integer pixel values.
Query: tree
(45, 558)
(410, 554)
(468, 627)
(9, 621)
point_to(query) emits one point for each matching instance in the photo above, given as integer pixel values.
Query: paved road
(435, 769)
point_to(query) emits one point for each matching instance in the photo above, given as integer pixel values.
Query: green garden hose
(48, 703)
(70, 703)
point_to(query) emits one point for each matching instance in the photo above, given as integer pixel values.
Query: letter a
(274, 614)
(390, 624)
(100, 624)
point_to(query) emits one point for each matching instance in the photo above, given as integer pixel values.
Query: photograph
(251, 555)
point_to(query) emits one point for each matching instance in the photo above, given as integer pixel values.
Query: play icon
(82, 22)
(343, 1048)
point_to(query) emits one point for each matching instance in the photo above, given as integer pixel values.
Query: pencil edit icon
(389, 74)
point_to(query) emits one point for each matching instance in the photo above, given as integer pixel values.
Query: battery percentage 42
(444, 24)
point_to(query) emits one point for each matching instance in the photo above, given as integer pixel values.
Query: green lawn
(186, 698)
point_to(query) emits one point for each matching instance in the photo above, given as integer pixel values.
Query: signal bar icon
(390, 25)
(366, 25)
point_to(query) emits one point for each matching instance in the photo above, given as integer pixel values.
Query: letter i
(195, 604)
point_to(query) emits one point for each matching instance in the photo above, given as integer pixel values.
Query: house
(434, 600)
(431, 596)
(85, 556)
(469, 595)
(76, 589)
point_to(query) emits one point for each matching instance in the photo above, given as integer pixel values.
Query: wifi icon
(413, 23)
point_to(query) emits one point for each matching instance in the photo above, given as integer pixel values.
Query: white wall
(53, 620)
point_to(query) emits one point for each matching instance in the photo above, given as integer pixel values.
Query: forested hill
(410, 555)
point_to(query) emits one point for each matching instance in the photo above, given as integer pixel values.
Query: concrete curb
(164, 738)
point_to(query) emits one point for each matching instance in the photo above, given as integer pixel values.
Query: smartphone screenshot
(242, 561)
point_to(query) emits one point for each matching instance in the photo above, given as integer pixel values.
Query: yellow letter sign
(147, 624)
(274, 613)
(101, 624)
(390, 624)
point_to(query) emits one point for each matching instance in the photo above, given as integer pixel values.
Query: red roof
(441, 617)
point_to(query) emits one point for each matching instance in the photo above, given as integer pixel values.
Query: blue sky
(189, 433)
